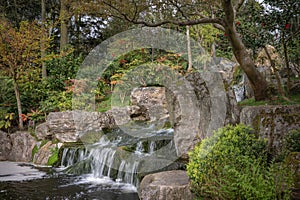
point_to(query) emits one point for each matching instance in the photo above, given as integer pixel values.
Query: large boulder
(272, 122)
(168, 185)
(69, 126)
(22, 145)
(197, 107)
(123, 115)
(5, 146)
(153, 100)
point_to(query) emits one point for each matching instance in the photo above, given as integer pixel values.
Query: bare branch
(219, 26)
(181, 23)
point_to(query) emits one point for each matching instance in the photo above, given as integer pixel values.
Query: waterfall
(71, 156)
(239, 89)
(139, 147)
(120, 171)
(152, 147)
(108, 159)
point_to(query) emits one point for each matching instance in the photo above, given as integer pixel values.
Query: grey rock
(5, 146)
(44, 153)
(148, 96)
(42, 131)
(197, 107)
(271, 122)
(152, 100)
(22, 145)
(168, 185)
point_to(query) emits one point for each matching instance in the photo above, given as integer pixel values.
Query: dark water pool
(42, 183)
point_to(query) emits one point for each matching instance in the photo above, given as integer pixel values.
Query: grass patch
(294, 99)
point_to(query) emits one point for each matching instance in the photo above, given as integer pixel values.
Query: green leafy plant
(232, 164)
(34, 151)
(54, 157)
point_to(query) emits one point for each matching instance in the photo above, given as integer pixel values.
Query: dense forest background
(44, 42)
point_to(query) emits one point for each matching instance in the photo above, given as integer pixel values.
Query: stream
(109, 169)
(26, 181)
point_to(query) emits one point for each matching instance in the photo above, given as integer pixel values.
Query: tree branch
(239, 5)
(229, 11)
(181, 23)
(219, 26)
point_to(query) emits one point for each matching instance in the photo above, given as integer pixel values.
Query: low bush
(232, 164)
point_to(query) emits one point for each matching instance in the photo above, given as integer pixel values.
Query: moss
(128, 148)
(276, 100)
(91, 137)
(167, 125)
(34, 151)
(43, 143)
(53, 158)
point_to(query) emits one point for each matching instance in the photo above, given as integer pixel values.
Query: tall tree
(64, 19)
(19, 53)
(17, 10)
(221, 13)
(43, 52)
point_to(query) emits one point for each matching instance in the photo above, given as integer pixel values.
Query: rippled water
(23, 181)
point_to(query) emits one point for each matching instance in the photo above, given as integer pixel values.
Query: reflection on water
(46, 184)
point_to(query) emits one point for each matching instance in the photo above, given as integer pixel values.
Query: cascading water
(239, 89)
(152, 147)
(119, 157)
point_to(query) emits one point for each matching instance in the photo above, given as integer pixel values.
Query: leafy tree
(17, 10)
(20, 54)
(222, 14)
(270, 22)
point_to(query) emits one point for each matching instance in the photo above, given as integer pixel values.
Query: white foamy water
(105, 181)
(14, 171)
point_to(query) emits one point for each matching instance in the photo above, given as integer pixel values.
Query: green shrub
(232, 164)
(292, 141)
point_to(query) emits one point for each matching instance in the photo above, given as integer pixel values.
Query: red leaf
(123, 61)
(287, 26)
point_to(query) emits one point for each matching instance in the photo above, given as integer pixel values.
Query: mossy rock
(91, 137)
(293, 160)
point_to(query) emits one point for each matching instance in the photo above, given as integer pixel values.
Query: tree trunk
(63, 25)
(190, 63)
(286, 58)
(277, 76)
(213, 50)
(43, 52)
(256, 79)
(17, 93)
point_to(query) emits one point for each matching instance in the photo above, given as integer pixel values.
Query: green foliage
(57, 101)
(61, 70)
(34, 151)
(289, 144)
(292, 141)
(105, 104)
(294, 99)
(232, 164)
(54, 157)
